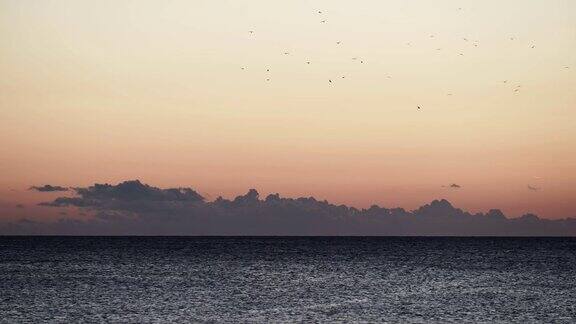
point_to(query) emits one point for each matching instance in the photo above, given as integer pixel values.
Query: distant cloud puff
(48, 188)
(134, 208)
(128, 194)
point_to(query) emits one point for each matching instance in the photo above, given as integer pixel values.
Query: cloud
(48, 188)
(128, 195)
(134, 208)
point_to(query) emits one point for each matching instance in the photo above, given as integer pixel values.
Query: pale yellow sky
(105, 91)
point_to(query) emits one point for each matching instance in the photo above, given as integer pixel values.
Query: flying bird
(419, 108)
(338, 42)
(533, 188)
(322, 21)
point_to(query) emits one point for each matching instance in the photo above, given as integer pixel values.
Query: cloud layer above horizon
(134, 208)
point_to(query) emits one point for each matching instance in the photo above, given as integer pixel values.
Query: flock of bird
(515, 89)
(323, 21)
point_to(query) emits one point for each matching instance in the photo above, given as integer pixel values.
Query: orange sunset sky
(177, 93)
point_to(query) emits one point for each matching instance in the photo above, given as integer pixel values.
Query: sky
(177, 93)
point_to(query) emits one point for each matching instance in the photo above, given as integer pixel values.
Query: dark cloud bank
(133, 208)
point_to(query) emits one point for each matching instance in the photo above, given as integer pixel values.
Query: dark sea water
(129, 279)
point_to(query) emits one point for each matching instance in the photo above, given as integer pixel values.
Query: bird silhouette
(419, 108)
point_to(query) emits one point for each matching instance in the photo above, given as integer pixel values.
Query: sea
(287, 279)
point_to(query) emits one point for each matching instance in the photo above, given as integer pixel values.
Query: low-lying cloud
(134, 208)
(48, 188)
